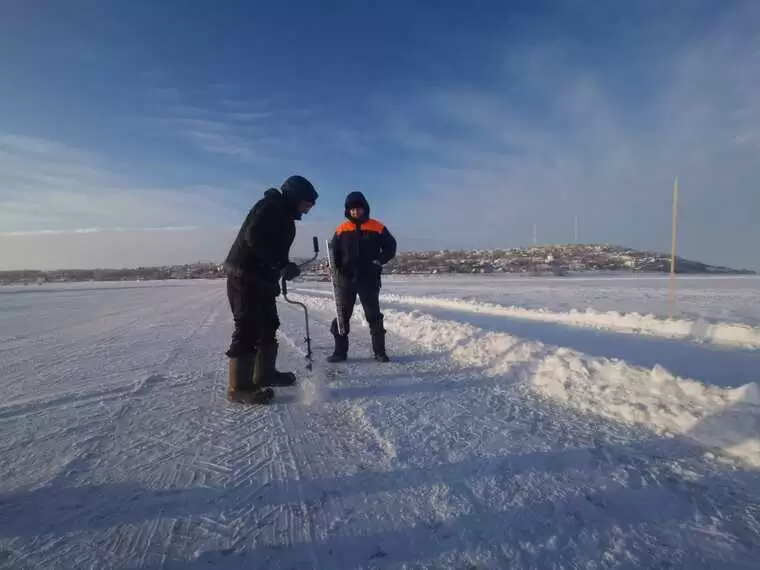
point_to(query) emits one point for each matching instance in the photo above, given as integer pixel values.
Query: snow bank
(727, 334)
(716, 417)
(728, 419)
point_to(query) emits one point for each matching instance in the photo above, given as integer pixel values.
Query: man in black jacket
(360, 247)
(257, 259)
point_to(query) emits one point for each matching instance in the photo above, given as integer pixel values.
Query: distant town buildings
(201, 270)
(555, 260)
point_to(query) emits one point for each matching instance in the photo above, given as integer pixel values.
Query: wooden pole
(575, 227)
(672, 284)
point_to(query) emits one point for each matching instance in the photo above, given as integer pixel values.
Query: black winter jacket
(262, 246)
(361, 247)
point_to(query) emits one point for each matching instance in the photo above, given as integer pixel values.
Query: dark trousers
(254, 310)
(369, 295)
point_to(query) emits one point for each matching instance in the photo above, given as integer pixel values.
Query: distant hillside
(545, 259)
(537, 260)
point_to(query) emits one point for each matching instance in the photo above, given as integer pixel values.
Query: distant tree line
(194, 271)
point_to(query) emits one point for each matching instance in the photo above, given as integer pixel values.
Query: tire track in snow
(54, 362)
(183, 446)
(25, 408)
(234, 451)
(229, 454)
(306, 443)
(118, 446)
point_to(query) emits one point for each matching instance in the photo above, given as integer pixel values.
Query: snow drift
(728, 419)
(727, 334)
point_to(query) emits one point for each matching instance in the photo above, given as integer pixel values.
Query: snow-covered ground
(507, 432)
(726, 299)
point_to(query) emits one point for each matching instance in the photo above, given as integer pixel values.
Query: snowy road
(480, 446)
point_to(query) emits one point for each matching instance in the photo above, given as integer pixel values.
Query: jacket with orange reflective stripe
(360, 249)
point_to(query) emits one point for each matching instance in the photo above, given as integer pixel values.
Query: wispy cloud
(125, 247)
(241, 134)
(563, 138)
(256, 131)
(251, 116)
(167, 93)
(222, 142)
(61, 206)
(48, 185)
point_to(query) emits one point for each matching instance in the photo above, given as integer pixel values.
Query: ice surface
(723, 299)
(490, 440)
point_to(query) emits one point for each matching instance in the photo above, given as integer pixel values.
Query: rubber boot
(240, 387)
(265, 372)
(340, 354)
(378, 343)
(282, 378)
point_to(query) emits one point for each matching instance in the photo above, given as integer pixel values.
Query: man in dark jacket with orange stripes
(360, 246)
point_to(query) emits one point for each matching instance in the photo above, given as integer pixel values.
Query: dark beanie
(297, 188)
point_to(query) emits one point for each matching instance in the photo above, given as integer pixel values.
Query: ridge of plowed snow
(728, 419)
(727, 334)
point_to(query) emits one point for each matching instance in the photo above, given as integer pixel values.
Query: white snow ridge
(728, 334)
(497, 437)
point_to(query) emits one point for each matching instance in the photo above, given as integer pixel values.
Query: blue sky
(463, 122)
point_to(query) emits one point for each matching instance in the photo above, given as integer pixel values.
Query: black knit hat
(296, 188)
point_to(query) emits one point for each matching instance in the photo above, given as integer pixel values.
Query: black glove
(290, 271)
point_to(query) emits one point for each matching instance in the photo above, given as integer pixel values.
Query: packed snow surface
(714, 298)
(506, 432)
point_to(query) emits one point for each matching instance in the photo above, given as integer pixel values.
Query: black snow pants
(254, 310)
(369, 295)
